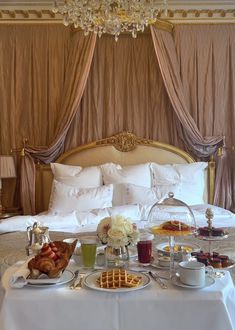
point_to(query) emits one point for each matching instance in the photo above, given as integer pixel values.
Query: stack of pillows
(96, 187)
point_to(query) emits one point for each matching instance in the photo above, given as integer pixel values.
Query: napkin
(19, 278)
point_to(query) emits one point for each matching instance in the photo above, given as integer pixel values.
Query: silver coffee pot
(37, 236)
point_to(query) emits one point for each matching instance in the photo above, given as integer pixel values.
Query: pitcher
(37, 236)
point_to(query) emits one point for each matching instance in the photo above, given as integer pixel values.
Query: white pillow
(186, 181)
(126, 193)
(65, 198)
(139, 175)
(64, 170)
(77, 176)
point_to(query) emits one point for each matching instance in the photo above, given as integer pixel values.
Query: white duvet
(75, 222)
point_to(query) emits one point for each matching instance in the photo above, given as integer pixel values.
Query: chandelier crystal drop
(112, 17)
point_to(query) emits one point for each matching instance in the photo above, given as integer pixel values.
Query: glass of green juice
(88, 249)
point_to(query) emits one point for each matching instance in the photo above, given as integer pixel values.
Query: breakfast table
(150, 308)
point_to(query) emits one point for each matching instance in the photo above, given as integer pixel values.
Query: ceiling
(179, 11)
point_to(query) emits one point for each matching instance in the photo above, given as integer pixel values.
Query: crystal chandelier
(112, 17)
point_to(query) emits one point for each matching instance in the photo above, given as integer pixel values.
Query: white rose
(117, 222)
(128, 227)
(116, 234)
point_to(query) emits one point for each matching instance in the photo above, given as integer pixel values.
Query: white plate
(208, 282)
(66, 277)
(91, 282)
(161, 247)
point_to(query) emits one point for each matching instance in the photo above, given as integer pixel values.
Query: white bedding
(76, 222)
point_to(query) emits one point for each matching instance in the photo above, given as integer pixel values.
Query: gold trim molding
(175, 16)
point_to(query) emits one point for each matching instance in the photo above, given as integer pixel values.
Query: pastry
(204, 231)
(218, 232)
(216, 262)
(215, 259)
(204, 259)
(224, 260)
(118, 278)
(172, 228)
(52, 259)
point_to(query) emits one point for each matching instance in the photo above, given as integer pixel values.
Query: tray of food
(179, 247)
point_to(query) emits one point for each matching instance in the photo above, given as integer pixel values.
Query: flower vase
(117, 257)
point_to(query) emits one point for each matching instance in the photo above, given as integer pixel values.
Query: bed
(139, 170)
(125, 149)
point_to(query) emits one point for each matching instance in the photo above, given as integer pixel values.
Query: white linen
(139, 175)
(75, 222)
(127, 193)
(65, 198)
(186, 181)
(150, 308)
(18, 278)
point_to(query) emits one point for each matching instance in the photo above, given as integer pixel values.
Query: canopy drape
(208, 78)
(79, 60)
(198, 145)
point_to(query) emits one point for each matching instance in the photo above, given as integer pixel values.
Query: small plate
(193, 247)
(66, 277)
(208, 282)
(91, 282)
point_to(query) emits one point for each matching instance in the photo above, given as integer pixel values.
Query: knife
(74, 283)
(158, 280)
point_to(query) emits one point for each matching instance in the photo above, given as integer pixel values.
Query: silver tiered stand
(210, 215)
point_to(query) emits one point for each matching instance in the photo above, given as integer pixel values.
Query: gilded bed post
(211, 180)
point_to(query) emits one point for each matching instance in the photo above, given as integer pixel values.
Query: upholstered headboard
(124, 149)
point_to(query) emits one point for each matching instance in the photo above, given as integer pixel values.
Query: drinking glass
(88, 249)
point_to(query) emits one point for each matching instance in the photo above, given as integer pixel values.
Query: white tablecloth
(150, 308)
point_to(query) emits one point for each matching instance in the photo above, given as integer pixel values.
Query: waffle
(118, 278)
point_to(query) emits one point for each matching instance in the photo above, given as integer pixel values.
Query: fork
(73, 284)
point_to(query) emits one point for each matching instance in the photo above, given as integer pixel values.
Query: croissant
(44, 264)
(52, 259)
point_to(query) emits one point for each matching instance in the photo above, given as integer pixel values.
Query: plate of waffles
(116, 280)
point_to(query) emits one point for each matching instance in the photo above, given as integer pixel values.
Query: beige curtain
(199, 146)
(79, 60)
(207, 71)
(33, 58)
(124, 91)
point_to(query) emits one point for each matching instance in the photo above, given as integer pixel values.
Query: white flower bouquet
(117, 231)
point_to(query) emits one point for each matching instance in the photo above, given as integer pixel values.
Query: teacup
(193, 273)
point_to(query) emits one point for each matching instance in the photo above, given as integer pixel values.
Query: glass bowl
(171, 217)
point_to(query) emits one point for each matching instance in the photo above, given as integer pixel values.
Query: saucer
(208, 282)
